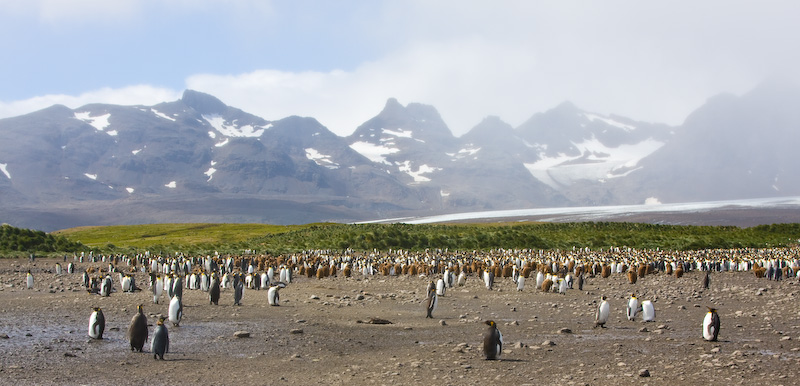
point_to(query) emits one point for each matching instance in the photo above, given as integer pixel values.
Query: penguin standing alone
(238, 290)
(213, 290)
(175, 311)
(160, 343)
(137, 332)
(29, 280)
(97, 324)
(706, 280)
(603, 311)
(272, 295)
(432, 301)
(492, 341)
(632, 308)
(711, 325)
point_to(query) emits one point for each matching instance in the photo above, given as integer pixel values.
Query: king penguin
(175, 310)
(97, 324)
(440, 287)
(432, 301)
(711, 325)
(632, 308)
(273, 297)
(160, 343)
(238, 291)
(105, 287)
(137, 332)
(603, 311)
(648, 311)
(213, 290)
(29, 280)
(706, 280)
(492, 341)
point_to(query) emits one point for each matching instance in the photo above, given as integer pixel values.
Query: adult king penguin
(273, 297)
(160, 343)
(711, 325)
(648, 311)
(238, 291)
(432, 301)
(29, 280)
(213, 290)
(603, 311)
(97, 324)
(175, 310)
(492, 341)
(137, 332)
(632, 308)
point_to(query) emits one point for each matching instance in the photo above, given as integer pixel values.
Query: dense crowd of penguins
(547, 271)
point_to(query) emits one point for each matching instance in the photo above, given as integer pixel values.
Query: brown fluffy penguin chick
(137, 332)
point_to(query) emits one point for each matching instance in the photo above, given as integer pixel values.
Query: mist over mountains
(198, 160)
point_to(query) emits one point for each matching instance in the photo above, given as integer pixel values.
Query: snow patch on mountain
(465, 152)
(210, 173)
(135, 152)
(162, 115)
(400, 134)
(373, 152)
(172, 185)
(223, 143)
(90, 176)
(100, 123)
(4, 169)
(321, 159)
(596, 162)
(609, 121)
(232, 129)
(417, 175)
(130, 190)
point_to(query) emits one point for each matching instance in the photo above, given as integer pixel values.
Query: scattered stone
(644, 373)
(715, 350)
(69, 355)
(360, 297)
(548, 343)
(442, 322)
(643, 329)
(241, 334)
(520, 345)
(296, 331)
(565, 331)
(3, 336)
(314, 297)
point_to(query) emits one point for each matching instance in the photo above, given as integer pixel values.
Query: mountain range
(198, 160)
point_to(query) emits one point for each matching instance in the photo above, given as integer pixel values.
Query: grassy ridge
(170, 236)
(235, 238)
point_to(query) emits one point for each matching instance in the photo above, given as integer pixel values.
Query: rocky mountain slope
(197, 159)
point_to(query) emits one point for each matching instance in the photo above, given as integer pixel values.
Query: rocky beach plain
(321, 332)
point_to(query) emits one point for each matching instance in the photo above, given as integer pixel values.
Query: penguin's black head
(711, 310)
(490, 323)
(140, 308)
(161, 321)
(97, 309)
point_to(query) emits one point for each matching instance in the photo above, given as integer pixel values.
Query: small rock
(643, 329)
(715, 350)
(644, 373)
(786, 338)
(314, 297)
(69, 355)
(520, 345)
(241, 334)
(565, 331)
(548, 343)
(621, 364)
(296, 331)
(442, 322)
(360, 297)
(3, 336)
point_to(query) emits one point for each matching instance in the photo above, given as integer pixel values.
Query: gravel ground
(315, 335)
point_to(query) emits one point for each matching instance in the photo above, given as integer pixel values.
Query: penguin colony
(553, 272)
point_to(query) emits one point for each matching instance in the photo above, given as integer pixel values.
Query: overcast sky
(338, 61)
